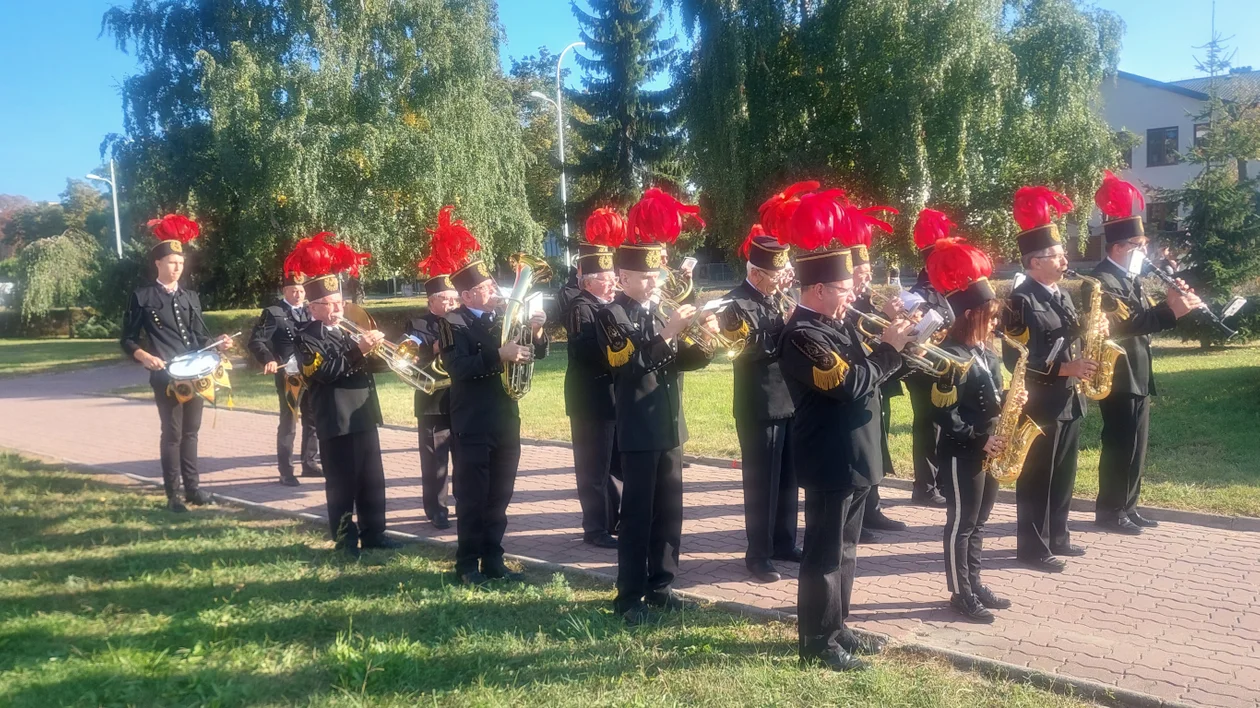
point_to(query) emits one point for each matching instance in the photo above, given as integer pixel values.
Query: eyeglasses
(838, 290)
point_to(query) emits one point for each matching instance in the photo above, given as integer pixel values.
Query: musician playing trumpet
(967, 411)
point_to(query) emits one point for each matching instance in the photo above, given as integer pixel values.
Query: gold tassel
(944, 398)
(738, 332)
(827, 379)
(1019, 334)
(621, 356)
(309, 370)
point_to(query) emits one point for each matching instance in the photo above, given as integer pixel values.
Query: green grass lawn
(40, 356)
(106, 599)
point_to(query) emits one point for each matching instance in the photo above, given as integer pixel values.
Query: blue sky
(59, 82)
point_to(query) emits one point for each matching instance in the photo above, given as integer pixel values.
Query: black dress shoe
(176, 506)
(670, 601)
(862, 645)
(199, 498)
(989, 600)
(498, 571)
(793, 556)
(879, 522)
(475, 579)
(971, 608)
(638, 615)
(932, 498)
(1071, 550)
(1048, 564)
(313, 471)
(289, 480)
(839, 660)
(763, 571)
(1142, 521)
(1123, 526)
(382, 542)
(601, 541)
(867, 538)
(442, 521)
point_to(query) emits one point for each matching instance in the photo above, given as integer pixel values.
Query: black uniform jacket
(339, 382)
(1038, 319)
(567, 293)
(892, 387)
(171, 321)
(588, 384)
(967, 410)
(470, 354)
(760, 392)
(1124, 295)
(275, 335)
(835, 386)
(425, 328)
(647, 375)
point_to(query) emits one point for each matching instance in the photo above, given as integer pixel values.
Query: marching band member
(646, 356)
(1133, 318)
(433, 410)
(342, 391)
(273, 343)
(967, 411)
(856, 234)
(762, 407)
(931, 226)
(170, 318)
(1039, 314)
(834, 384)
(485, 420)
(588, 385)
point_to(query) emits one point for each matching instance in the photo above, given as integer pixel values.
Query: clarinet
(1171, 282)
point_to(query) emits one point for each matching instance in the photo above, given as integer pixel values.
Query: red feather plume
(931, 226)
(316, 255)
(449, 245)
(860, 223)
(1034, 206)
(658, 218)
(754, 233)
(776, 212)
(605, 227)
(818, 220)
(954, 264)
(1115, 198)
(174, 227)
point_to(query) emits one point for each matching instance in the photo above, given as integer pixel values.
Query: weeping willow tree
(271, 119)
(953, 103)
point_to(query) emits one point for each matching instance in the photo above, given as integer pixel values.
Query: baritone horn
(518, 376)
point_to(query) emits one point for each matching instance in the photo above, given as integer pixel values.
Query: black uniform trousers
(287, 431)
(485, 477)
(1043, 493)
(970, 494)
(651, 524)
(771, 499)
(180, 424)
(923, 434)
(833, 523)
(435, 453)
(597, 466)
(885, 424)
(354, 483)
(1126, 420)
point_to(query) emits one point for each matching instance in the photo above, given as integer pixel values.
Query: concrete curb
(1055, 683)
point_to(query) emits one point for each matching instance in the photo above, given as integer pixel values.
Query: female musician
(967, 410)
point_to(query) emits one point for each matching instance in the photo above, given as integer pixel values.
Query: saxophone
(1097, 347)
(1006, 465)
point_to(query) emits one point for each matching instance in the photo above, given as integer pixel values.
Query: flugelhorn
(925, 357)
(668, 297)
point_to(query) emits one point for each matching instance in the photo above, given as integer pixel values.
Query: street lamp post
(558, 105)
(113, 191)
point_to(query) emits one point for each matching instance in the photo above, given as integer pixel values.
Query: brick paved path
(1174, 613)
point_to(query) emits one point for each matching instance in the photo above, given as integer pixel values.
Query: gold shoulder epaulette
(620, 348)
(944, 393)
(829, 367)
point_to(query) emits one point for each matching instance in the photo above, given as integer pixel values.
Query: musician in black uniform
(485, 421)
(762, 407)
(646, 357)
(1133, 319)
(605, 230)
(967, 412)
(433, 411)
(930, 226)
(170, 318)
(834, 386)
(588, 401)
(273, 343)
(1038, 315)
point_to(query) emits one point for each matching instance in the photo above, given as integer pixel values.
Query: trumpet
(668, 295)
(926, 357)
(404, 358)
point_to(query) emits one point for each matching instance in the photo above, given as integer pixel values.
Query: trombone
(925, 357)
(403, 358)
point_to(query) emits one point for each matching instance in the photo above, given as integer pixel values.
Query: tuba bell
(518, 376)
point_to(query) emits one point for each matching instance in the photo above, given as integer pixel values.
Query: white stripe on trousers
(952, 551)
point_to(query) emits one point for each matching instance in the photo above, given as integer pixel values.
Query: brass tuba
(1097, 347)
(404, 358)
(518, 376)
(1007, 465)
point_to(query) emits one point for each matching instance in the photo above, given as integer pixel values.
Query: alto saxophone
(1097, 347)
(1007, 464)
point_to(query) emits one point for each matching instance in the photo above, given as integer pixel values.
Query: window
(1200, 134)
(1161, 217)
(1161, 147)
(1126, 157)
